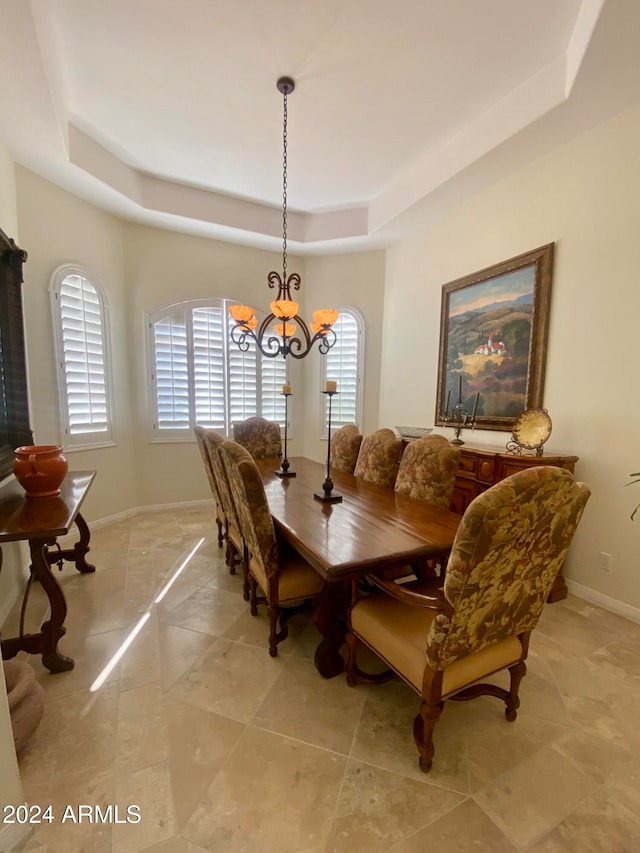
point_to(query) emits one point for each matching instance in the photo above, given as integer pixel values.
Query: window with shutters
(343, 364)
(81, 332)
(199, 376)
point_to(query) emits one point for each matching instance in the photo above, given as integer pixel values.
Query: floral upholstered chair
(345, 446)
(283, 576)
(212, 442)
(379, 458)
(428, 470)
(442, 640)
(260, 437)
(221, 520)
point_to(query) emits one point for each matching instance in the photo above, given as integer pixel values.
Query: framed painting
(493, 341)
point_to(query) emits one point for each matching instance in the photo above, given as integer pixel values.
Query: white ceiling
(168, 112)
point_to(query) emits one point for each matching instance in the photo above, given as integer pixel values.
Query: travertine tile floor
(223, 748)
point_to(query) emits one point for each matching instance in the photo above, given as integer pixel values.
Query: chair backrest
(345, 446)
(428, 470)
(510, 545)
(260, 437)
(213, 441)
(379, 458)
(254, 516)
(200, 433)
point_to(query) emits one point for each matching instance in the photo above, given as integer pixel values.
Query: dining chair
(345, 446)
(212, 441)
(428, 469)
(283, 576)
(260, 437)
(379, 458)
(221, 520)
(443, 639)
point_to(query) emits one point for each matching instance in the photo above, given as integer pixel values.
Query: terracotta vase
(40, 468)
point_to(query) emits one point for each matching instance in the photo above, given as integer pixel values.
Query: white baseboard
(604, 601)
(130, 513)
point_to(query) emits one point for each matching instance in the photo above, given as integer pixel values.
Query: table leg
(53, 628)
(330, 619)
(82, 546)
(79, 551)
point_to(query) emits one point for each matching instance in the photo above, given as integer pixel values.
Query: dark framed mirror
(15, 429)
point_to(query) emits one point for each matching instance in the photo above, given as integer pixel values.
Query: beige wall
(58, 228)
(140, 269)
(357, 281)
(162, 268)
(585, 196)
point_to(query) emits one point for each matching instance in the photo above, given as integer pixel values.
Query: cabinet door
(464, 492)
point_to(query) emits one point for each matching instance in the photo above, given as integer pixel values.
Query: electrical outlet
(604, 562)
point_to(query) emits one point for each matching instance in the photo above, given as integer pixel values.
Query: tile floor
(225, 749)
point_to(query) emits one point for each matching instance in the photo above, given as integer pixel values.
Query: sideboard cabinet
(481, 467)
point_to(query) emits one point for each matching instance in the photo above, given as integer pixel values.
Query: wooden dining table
(371, 530)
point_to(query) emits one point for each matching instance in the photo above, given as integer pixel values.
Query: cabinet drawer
(475, 466)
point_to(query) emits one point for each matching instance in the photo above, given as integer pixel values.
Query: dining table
(371, 530)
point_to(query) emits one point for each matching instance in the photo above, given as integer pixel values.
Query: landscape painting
(493, 340)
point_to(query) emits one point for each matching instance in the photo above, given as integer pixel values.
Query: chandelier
(285, 337)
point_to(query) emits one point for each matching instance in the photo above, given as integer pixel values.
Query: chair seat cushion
(397, 632)
(296, 578)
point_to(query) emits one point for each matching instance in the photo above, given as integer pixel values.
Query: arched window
(199, 376)
(80, 321)
(343, 364)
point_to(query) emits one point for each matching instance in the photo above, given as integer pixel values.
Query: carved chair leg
(423, 727)
(230, 556)
(512, 701)
(220, 533)
(272, 615)
(246, 585)
(253, 598)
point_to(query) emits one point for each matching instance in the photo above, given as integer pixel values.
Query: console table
(482, 466)
(40, 521)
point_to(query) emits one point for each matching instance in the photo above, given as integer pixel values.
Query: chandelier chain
(284, 190)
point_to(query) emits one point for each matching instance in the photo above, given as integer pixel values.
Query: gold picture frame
(493, 340)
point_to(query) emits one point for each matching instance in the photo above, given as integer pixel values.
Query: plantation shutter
(341, 366)
(171, 373)
(208, 367)
(243, 379)
(274, 376)
(83, 357)
(202, 377)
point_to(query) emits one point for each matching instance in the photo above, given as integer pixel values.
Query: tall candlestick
(459, 387)
(475, 407)
(283, 470)
(328, 495)
(446, 411)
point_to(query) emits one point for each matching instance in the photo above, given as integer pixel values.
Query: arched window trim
(359, 408)
(92, 439)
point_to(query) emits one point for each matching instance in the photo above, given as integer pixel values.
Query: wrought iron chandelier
(284, 337)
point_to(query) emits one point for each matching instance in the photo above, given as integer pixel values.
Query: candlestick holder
(328, 496)
(459, 419)
(283, 470)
